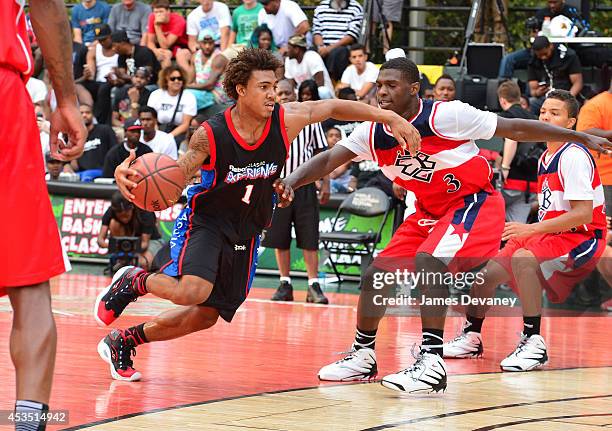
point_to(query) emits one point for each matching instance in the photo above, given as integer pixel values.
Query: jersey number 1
(247, 194)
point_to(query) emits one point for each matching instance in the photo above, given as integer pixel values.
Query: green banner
(80, 219)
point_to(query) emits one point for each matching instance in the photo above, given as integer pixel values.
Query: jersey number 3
(453, 183)
(247, 194)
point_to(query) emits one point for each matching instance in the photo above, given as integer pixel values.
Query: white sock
(287, 279)
(312, 280)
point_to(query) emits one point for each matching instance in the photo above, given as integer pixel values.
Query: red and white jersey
(570, 174)
(15, 50)
(448, 167)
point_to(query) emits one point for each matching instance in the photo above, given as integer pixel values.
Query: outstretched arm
(299, 115)
(315, 168)
(537, 131)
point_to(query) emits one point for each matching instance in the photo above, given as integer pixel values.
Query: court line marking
(482, 409)
(280, 391)
(551, 418)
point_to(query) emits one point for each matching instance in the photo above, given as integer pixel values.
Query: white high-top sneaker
(357, 365)
(528, 355)
(465, 345)
(427, 374)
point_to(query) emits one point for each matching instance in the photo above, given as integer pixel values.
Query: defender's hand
(67, 119)
(406, 134)
(285, 193)
(512, 229)
(596, 143)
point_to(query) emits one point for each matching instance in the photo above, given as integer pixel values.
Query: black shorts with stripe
(208, 253)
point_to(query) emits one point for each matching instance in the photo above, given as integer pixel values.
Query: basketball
(160, 182)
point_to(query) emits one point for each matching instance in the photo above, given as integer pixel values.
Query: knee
(424, 262)
(192, 290)
(523, 261)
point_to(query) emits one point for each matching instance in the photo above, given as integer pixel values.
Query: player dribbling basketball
(240, 154)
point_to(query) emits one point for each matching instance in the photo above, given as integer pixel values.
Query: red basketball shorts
(564, 259)
(466, 237)
(30, 248)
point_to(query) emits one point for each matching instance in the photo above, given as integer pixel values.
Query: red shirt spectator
(170, 23)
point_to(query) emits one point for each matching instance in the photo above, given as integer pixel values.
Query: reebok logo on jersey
(419, 167)
(251, 172)
(239, 247)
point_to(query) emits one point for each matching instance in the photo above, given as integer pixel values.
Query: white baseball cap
(395, 53)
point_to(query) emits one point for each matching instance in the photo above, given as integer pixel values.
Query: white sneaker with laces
(357, 365)
(465, 345)
(426, 375)
(528, 355)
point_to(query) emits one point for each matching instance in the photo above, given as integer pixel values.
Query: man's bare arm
(538, 131)
(52, 29)
(299, 115)
(195, 155)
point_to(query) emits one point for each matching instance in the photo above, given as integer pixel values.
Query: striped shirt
(334, 24)
(310, 139)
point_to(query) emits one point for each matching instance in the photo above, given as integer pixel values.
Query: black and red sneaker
(123, 289)
(117, 351)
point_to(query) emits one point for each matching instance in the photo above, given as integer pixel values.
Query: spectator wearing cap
(166, 32)
(213, 15)
(100, 139)
(130, 98)
(132, 57)
(205, 74)
(552, 67)
(54, 168)
(85, 17)
(244, 21)
(301, 64)
(361, 74)
(175, 107)
(159, 142)
(132, 17)
(100, 60)
(336, 26)
(284, 18)
(116, 155)
(444, 88)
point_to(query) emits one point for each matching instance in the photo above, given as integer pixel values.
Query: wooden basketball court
(260, 372)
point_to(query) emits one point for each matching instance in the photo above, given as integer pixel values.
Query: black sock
(433, 340)
(27, 414)
(531, 325)
(136, 335)
(473, 324)
(365, 339)
(141, 283)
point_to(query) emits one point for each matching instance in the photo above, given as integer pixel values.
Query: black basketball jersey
(237, 178)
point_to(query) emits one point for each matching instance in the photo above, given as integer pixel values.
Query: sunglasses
(175, 78)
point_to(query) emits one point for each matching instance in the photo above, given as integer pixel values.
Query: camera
(125, 245)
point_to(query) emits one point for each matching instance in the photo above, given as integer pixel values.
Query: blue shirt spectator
(85, 16)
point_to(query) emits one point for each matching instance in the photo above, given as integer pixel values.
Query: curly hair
(239, 70)
(162, 80)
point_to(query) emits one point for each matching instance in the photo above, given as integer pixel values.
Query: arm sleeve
(191, 106)
(75, 17)
(151, 24)
(144, 19)
(371, 72)
(107, 217)
(354, 28)
(178, 27)
(225, 18)
(358, 142)
(576, 171)
(316, 22)
(574, 66)
(319, 137)
(590, 117)
(111, 17)
(153, 100)
(460, 121)
(346, 79)
(295, 13)
(288, 69)
(192, 24)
